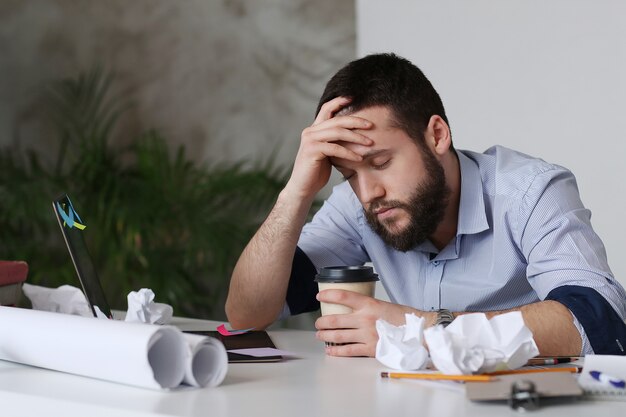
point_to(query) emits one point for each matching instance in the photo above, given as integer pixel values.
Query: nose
(369, 188)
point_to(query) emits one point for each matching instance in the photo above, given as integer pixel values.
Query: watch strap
(444, 317)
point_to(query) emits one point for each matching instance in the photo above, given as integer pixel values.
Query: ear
(438, 135)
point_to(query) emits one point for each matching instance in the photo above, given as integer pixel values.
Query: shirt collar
(472, 216)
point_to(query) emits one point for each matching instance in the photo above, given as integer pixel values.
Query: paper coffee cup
(359, 279)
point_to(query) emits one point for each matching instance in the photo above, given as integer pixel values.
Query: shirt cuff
(285, 313)
(586, 348)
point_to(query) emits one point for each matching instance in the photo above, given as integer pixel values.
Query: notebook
(73, 231)
(613, 368)
(249, 340)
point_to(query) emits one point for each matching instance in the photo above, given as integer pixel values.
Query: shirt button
(436, 263)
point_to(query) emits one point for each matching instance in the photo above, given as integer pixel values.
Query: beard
(425, 207)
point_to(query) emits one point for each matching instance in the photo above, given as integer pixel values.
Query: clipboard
(547, 385)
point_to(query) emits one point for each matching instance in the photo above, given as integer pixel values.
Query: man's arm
(259, 282)
(551, 323)
(260, 279)
(566, 259)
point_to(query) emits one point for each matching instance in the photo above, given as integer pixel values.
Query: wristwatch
(444, 317)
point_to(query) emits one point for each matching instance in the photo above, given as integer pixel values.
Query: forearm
(553, 328)
(259, 283)
(260, 279)
(552, 325)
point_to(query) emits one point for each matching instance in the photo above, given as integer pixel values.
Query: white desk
(313, 385)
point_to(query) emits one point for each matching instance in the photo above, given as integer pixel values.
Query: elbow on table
(243, 318)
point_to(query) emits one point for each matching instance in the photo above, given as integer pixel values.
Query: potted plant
(155, 218)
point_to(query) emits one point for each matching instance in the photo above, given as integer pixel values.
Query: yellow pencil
(464, 378)
(573, 370)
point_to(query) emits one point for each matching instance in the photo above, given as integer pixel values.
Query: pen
(549, 361)
(464, 378)
(572, 369)
(608, 379)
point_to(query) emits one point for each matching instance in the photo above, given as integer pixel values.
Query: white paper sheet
(71, 300)
(137, 354)
(64, 299)
(263, 352)
(613, 369)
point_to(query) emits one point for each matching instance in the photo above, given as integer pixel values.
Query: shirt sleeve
(603, 328)
(585, 348)
(302, 287)
(563, 251)
(333, 237)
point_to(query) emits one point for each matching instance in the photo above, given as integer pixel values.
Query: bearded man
(448, 231)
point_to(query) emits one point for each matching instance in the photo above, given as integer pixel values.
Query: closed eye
(383, 165)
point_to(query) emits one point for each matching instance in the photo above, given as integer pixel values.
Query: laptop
(73, 230)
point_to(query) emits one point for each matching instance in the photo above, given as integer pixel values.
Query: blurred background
(173, 125)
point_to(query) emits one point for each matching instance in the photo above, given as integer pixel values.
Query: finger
(346, 122)
(348, 321)
(333, 150)
(336, 134)
(347, 298)
(331, 107)
(353, 349)
(342, 336)
(336, 321)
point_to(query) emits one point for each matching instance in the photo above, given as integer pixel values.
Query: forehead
(380, 116)
(384, 133)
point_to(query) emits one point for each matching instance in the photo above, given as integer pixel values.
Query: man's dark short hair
(391, 81)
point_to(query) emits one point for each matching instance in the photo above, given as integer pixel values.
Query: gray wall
(230, 79)
(544, 77)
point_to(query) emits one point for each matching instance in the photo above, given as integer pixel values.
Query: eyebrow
(373, 153)
(368, 155)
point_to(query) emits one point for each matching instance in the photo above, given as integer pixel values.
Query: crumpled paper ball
(402, 347)
(474, 344)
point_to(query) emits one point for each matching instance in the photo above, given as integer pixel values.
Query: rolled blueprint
(209, 361)
(139, 354)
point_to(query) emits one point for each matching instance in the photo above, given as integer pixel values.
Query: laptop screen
(73, 231)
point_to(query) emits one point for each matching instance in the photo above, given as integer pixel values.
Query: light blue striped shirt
(522, 231)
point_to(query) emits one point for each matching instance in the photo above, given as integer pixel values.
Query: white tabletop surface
(312, 384)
